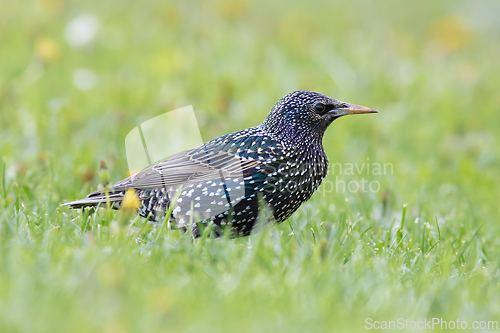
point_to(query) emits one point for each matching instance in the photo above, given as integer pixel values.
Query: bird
(227, 182)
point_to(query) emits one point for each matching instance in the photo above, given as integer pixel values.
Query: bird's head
(303, 115)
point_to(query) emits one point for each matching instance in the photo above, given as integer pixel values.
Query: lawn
(421, 243)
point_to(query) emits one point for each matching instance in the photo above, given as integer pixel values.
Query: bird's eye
(320, 107)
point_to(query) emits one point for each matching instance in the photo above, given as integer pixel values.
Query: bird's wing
(203, 163)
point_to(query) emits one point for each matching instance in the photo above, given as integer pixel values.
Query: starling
(277, 166)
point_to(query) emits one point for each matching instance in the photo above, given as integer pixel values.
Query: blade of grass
(168, 213)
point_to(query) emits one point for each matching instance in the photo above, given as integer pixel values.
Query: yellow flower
(451, 33)
(131, 201)
(47, 49)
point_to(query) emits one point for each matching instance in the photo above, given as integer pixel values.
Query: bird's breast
(290, 181)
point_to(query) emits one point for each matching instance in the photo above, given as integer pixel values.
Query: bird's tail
(97, 198)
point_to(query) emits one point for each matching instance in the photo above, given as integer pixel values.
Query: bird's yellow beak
(348, 109)
(357, 109)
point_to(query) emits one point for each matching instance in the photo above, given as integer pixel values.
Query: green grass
(425, 246)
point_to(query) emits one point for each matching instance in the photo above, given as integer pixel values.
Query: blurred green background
(76, 77)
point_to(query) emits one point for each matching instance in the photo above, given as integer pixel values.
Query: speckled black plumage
(278, 164)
